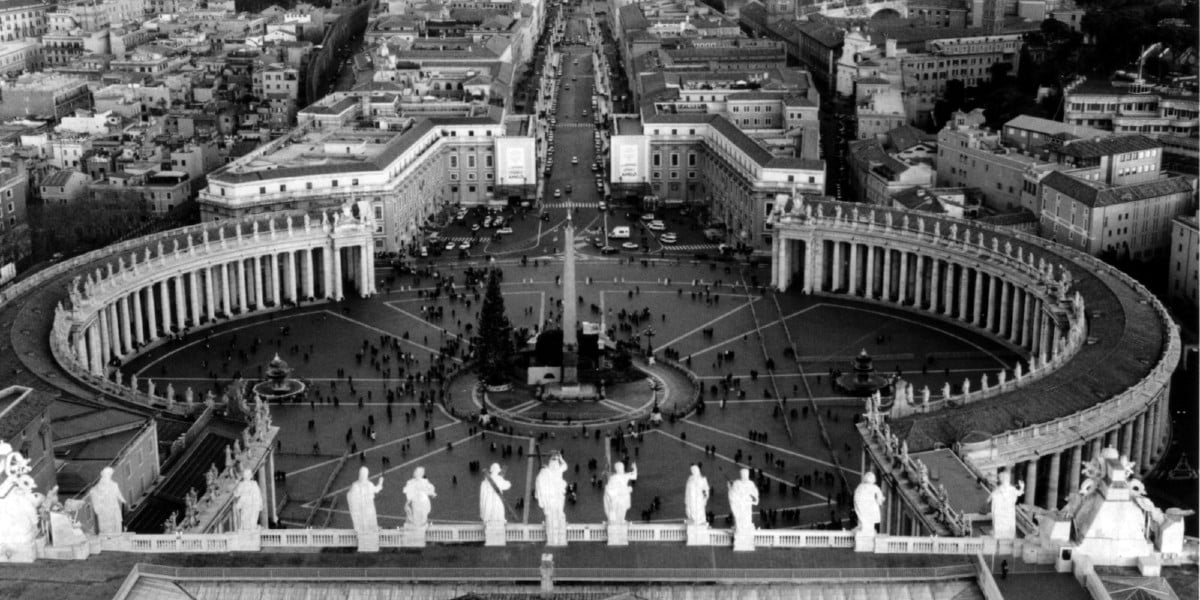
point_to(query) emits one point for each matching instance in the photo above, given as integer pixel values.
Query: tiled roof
(60, 178)
(830, 37)
(1095, 196)
(1049, 127)
(1095, 148)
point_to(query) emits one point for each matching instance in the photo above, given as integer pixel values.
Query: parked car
(504, 231)
(630, 246)
(668, 238)
(656, 226)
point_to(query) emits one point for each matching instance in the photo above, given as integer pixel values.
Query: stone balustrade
(514, 533)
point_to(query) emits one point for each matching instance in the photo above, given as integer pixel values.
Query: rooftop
(1049, 127)
(1107, 146)
(1094, 195)
(18, 407)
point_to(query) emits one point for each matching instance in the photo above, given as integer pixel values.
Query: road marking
(770, 446)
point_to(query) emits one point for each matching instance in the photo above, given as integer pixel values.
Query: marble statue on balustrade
(106, 500)
(417, 494)
(695, 497)
(361, 500)
(1003, 501)
(491, 498)
(18, 507)
(618, 493)
(248, 502)
(868, 502)
(550, 489)
(743, 497)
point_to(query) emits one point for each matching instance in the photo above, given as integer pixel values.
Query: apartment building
(1125, 107)
(1183, 277)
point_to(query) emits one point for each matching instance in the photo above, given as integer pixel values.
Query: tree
(494, 343)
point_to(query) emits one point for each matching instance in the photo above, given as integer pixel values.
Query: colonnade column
(241, 280)
(95, 358)
(1031, 481)
(139, 336)
(310, 273)
(1018, 305)
(368, 271)
(991, 303)
(289, 276)
(164, 297)
(1005, 302)
(210, 293)
(1156, 434)
(919, 282)
(869, 283)
(1139, 439)
(887, 274)
(853, 268)
(977, 313)
(1075, 466)
(948, 289)
(105, 336)
(903, 295)
(259, 302)
(194, 294)
(1052, 483)
(126, 326)
(180, 304)
(935, 290)
(837, 265)
(964, 284)
(273, 264)
(226, 299)
(1126, 438)
(1028, 321)
(151, 314)
(337, 273)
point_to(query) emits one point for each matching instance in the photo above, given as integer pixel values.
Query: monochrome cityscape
(583, 299)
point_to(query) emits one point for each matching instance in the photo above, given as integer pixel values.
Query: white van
(619, 233)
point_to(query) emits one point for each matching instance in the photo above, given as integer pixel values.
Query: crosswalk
(571, 204)
(692, 247)
(576, 125)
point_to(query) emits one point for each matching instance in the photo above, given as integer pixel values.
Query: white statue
(695, 497)
(106, 501)
(491, 500)
(618, 494)
(743, 497)
(361, 500)
(417, 492)
(18, 505)
(868, 500)
(550, 489)
(248, 502)
(1003, 501)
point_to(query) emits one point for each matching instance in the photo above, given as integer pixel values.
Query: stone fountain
(279, 385)
(862, 380)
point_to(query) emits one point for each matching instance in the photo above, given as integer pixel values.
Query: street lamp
(649, 333)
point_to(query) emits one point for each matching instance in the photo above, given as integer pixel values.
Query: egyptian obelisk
(570, 371)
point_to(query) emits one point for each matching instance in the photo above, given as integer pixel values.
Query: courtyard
(763, 361)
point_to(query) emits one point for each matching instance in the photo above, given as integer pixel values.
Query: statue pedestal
(25, 552)
(864, 542)
(368, 541)
(494, 534)
(245, 541)
(697, 535)
(412, 537)
(556, 535)
(743, 540)
(618, 534)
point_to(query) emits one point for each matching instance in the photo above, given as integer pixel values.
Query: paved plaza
(723, 325)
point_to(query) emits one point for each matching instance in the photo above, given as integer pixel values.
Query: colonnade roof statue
(361, 500)
(618, 493)
(418, 492)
